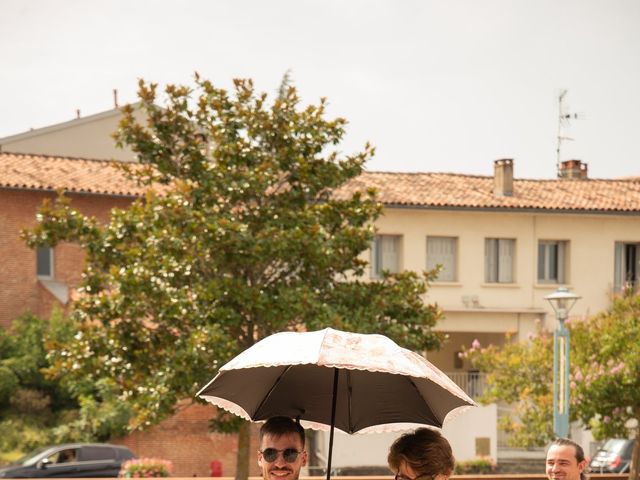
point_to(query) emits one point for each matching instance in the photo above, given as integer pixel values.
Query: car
(613, 457)
(89, 460)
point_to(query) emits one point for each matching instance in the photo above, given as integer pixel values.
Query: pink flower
(606, 419)
(618, 368)
(573, 385)
(475, 344)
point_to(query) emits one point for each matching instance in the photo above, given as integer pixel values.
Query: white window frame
(499, 260)
(546, 261)
(40, 253)
(442, 252)
(383, 256)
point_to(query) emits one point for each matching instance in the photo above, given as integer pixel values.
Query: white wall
(372, 449)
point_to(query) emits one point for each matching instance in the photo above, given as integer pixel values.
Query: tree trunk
(242, 460)
(635, 457)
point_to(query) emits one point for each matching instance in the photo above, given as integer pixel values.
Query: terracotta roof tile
(448, 190)
(43, 172)
(435, 190)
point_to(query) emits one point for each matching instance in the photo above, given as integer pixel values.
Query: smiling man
(282, 453)
(565, 461)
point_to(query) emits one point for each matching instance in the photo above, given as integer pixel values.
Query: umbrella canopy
(379, 386)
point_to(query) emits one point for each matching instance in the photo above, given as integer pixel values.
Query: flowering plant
(146, 467)
(482, 465)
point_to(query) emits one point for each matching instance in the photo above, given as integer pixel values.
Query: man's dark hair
(565, 442)
(279, 426)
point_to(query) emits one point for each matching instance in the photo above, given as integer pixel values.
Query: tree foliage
(605, 376)
(34, 409)
(239, 236)
(520, 374)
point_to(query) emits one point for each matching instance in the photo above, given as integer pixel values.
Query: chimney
(115, 98)
(573, 170)
(503, 177)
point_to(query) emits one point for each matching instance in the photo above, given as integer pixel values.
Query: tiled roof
(43, 172)
(448, 190)
(431, 190)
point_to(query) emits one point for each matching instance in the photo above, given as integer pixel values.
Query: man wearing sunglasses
(281, 454)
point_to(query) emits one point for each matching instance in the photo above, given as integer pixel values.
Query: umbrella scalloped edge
(227, 405)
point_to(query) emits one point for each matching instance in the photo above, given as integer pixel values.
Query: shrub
(482, 465)
(146, 467)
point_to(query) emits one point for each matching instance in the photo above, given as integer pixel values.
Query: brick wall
(20, 289)
(185, 440)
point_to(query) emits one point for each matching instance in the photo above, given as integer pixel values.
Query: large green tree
(605, 377)
(239, 236)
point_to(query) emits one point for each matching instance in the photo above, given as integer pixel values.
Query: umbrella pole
(333, 420)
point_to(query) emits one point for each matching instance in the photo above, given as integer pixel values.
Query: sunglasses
(290, 455)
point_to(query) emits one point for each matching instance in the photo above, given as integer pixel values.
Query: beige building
(84, 137)
(504, 244)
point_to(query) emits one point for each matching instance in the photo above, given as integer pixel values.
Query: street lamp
(562, 300)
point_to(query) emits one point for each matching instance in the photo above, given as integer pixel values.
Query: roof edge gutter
(512, 210)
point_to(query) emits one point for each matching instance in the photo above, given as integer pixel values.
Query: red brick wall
(185, 440)
(20, 290)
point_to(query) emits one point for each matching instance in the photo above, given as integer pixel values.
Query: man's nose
(279, 461)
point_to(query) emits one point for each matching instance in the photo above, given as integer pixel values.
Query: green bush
(8, 384)
(482, 465)
(146, 467)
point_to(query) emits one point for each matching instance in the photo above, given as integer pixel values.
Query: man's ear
(582, 465)
(304, 458)
(259, 459)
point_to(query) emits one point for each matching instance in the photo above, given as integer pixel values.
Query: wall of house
(590, 261)
(88, 137)
(20, 289)
(185, 439)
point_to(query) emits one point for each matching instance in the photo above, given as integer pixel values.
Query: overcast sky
(435, 85)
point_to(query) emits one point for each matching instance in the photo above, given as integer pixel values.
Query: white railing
(473, 383)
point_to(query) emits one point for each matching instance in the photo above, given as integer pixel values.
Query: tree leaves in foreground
(35, 410)
(238, 237)
(605, 377)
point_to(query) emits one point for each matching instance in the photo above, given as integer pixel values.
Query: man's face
(562, 463)
(279, 468)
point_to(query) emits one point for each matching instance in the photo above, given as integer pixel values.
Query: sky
(435, 85)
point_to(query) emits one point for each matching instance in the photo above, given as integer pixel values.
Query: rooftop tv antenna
(564, 116)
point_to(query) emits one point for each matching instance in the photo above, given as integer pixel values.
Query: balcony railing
(473, 383)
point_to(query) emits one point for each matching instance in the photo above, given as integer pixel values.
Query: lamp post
(562, 300)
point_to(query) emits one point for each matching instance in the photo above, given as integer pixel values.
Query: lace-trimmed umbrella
(330, 379)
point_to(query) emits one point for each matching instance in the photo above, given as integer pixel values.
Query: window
(385, 254)
(499, 260)
(44, 262)
(627, 266)
(443, 251)
(552, 256)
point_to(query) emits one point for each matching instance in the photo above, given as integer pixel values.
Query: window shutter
(442, 251)
(618, 274)
(505, 260)
(490, 260)
(562, 247)
(542, 249)
(390, 253)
